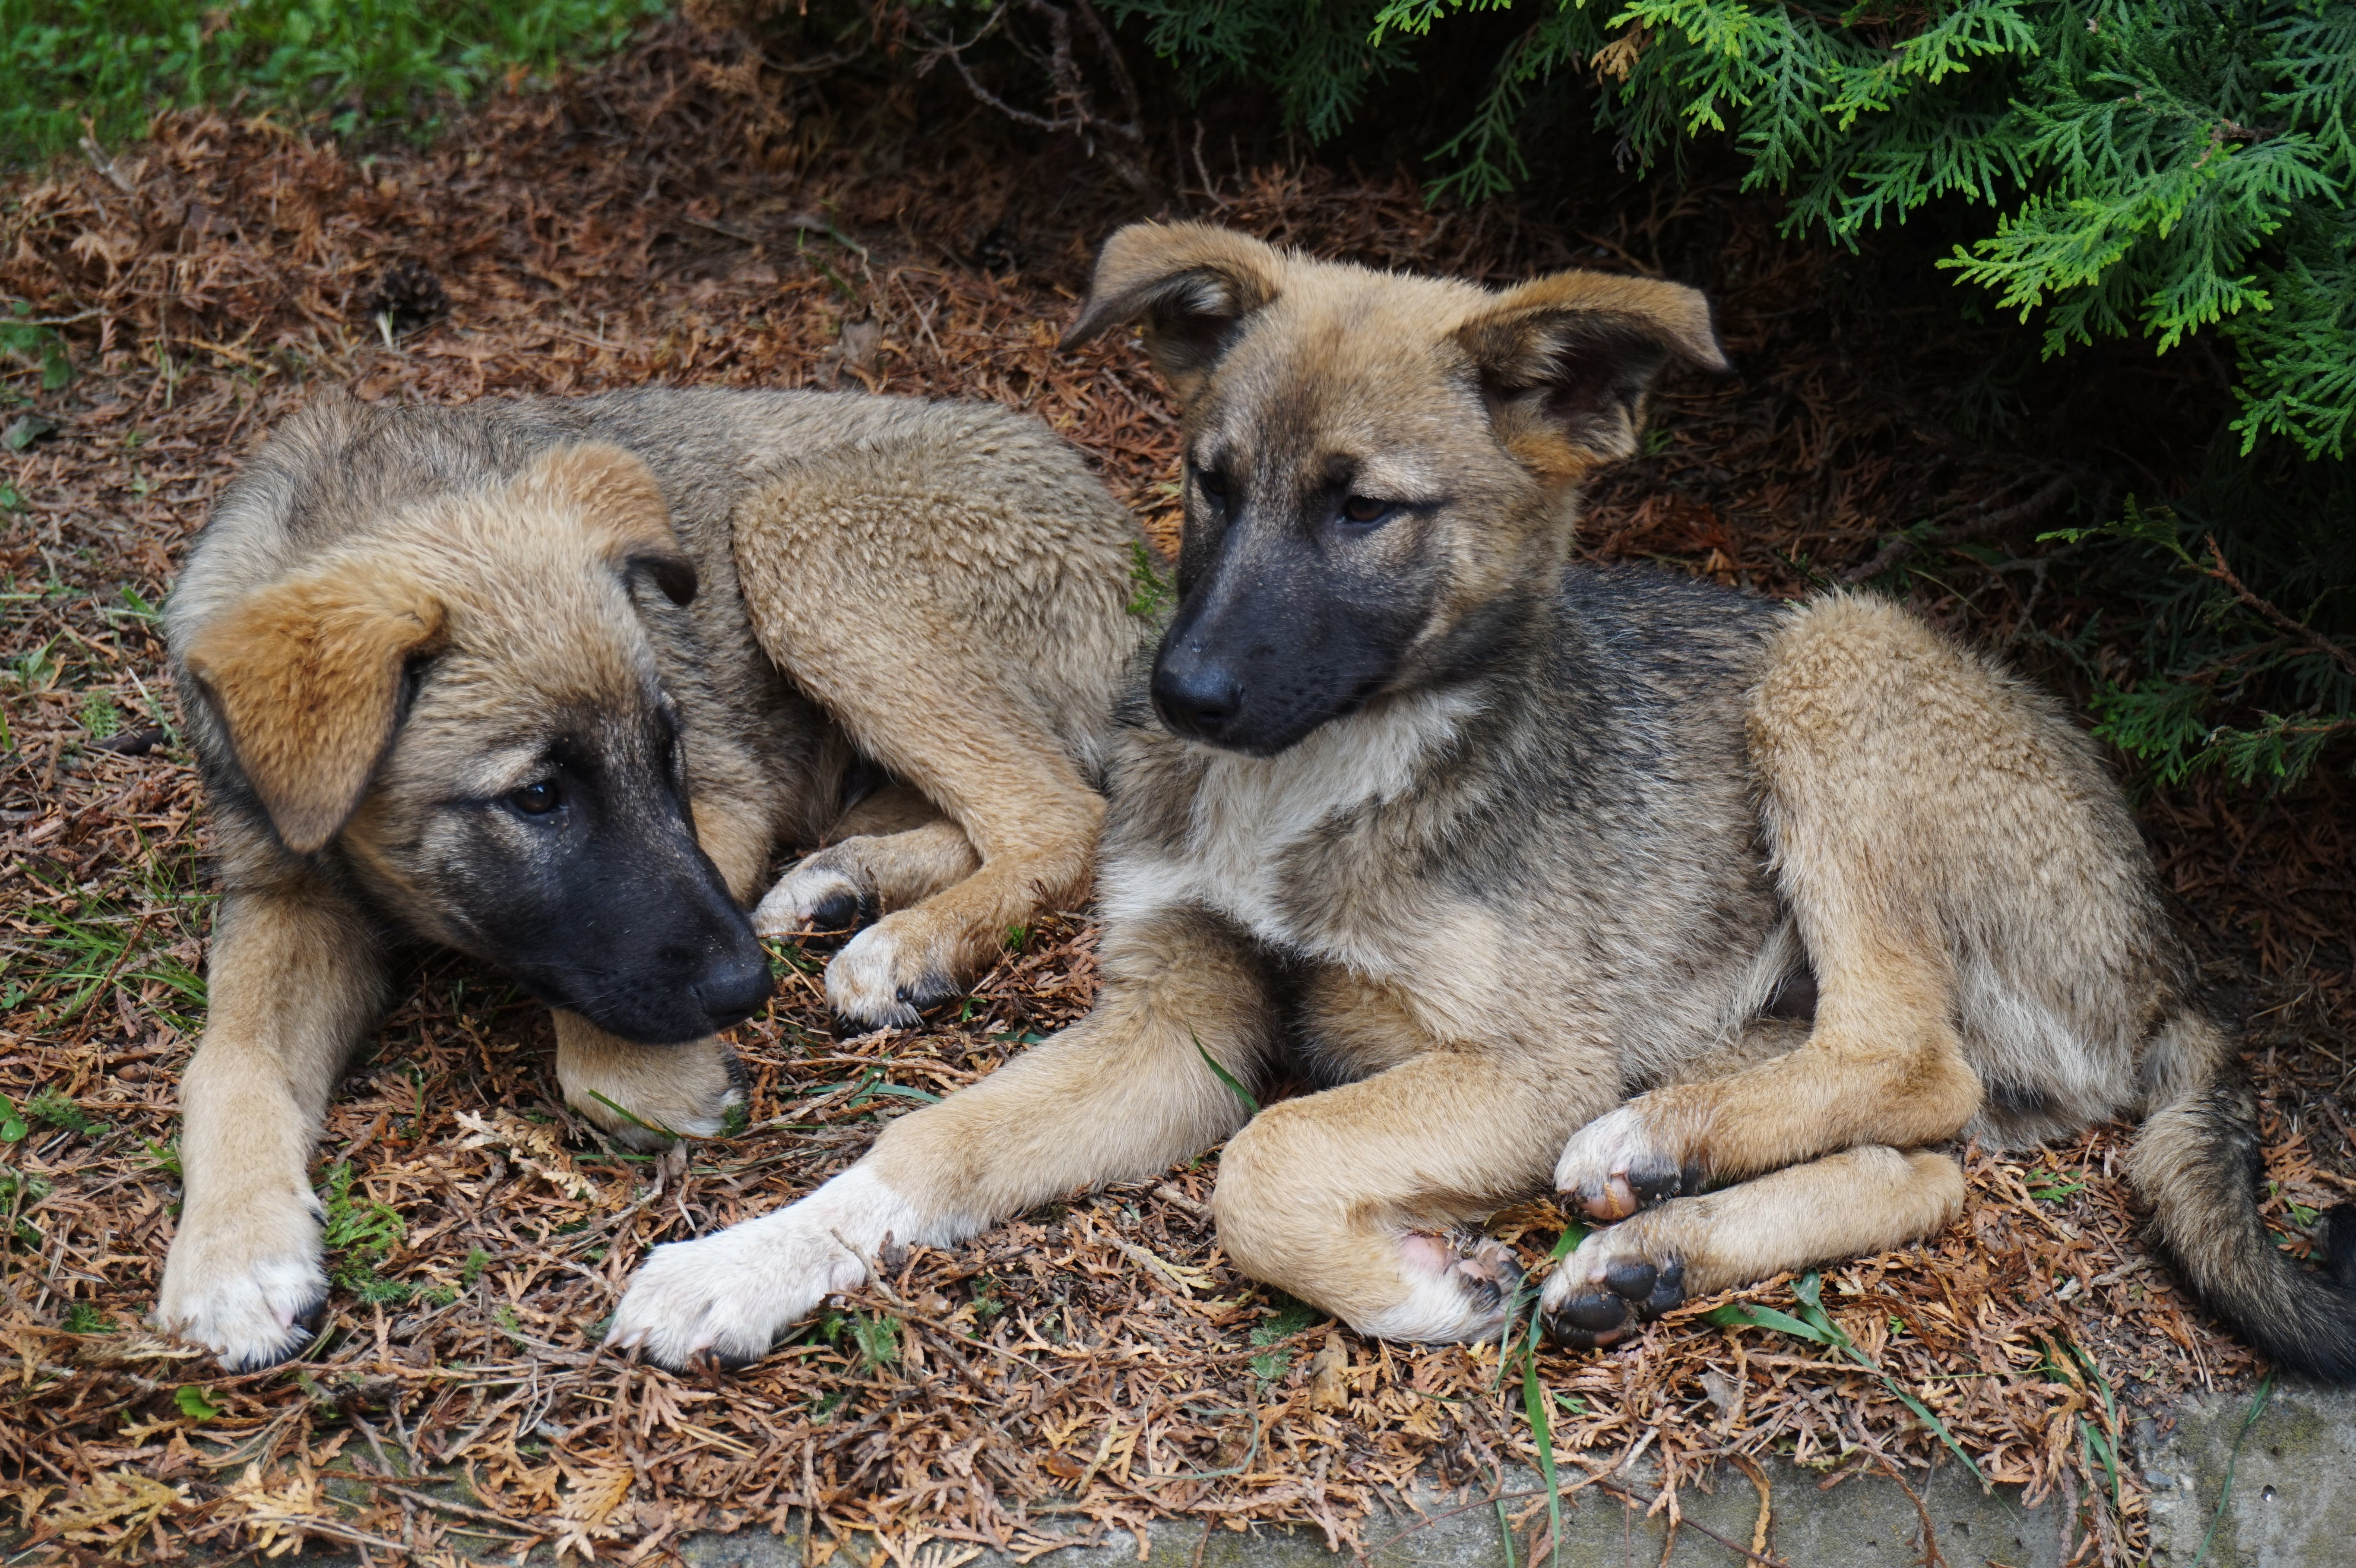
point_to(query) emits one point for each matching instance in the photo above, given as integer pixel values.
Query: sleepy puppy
(1726, 916)
(549, 681)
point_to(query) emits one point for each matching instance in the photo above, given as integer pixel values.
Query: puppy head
(464, 703)
(1381, 470)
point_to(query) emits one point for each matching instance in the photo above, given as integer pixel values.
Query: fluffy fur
(551, 681)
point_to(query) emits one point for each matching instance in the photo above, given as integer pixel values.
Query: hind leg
(889, 853)
(1026, 819)
(1364, 1198)
(1908, 792)
(1864, 1199)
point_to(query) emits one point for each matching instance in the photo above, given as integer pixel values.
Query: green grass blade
(633, 1118)
(1536, 1405)
(1820, 1328)
(1744, 1314)
(2225, 1493)
(1226, 1077)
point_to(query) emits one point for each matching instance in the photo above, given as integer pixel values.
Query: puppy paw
(728, 1295)
(1617, 1166)
(1459, 1287)
(889, 973)
(684, 1089)
(1617, 1279)
(828, 890)
(249, 1289)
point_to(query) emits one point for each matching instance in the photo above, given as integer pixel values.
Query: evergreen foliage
(2139, 168)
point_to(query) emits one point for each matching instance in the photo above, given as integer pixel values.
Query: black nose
(1196, 698)
(734, 984)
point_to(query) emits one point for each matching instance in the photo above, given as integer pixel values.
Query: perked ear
(307, 675)
(1568, 361)
(617, 495)
(1189, 283)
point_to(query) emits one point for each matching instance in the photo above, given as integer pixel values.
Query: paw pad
(1634, 1291)
(1638, 1186)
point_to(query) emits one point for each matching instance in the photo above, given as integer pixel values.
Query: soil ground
(700, 211)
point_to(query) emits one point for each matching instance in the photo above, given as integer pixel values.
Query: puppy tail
(2197, 1161)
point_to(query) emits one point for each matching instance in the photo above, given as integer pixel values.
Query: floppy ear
(307, 675)
(617, 495)
(1566, 363)
(1190, 283)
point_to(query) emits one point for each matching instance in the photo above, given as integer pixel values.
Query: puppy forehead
(487, 724)
(1351, 364)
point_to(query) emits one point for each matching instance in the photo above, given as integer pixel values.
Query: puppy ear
(1566, 363)
(307, 675)
(617, 496)
(1190, 283)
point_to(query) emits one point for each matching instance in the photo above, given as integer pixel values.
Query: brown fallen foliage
(697, 212)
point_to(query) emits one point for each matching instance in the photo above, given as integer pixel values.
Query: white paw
(815, 895)
(730, 1294)
(1459, 1289)
(886, 974)
(245, 1289)
(1615, 1165)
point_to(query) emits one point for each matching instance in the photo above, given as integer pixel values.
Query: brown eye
(1210, 484)
(1366, 510)
(538, 798)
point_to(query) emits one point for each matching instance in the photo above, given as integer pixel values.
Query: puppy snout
(1200, 698)
(734, 984)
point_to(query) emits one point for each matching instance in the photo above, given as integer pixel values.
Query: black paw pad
(841, 911)
(1667, 1290)
(1658, 1181)
(1586, 1322)
(929, 990)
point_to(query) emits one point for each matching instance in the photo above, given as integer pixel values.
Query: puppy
(549, 682)
(1727, 916)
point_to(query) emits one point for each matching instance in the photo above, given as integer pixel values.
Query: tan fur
(306, 675)
(800, 577)
(1526, 890)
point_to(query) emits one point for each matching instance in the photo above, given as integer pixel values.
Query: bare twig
(1983, 522)
(1071, 99)
(2289, 626)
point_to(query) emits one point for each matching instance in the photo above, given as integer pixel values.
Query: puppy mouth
(633, 1010)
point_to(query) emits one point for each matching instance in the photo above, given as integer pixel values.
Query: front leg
(295, 983)
(1122, 1093)
(686, 1089)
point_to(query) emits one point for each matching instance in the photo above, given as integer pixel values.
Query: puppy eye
(1366, 510)
(537, 798)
